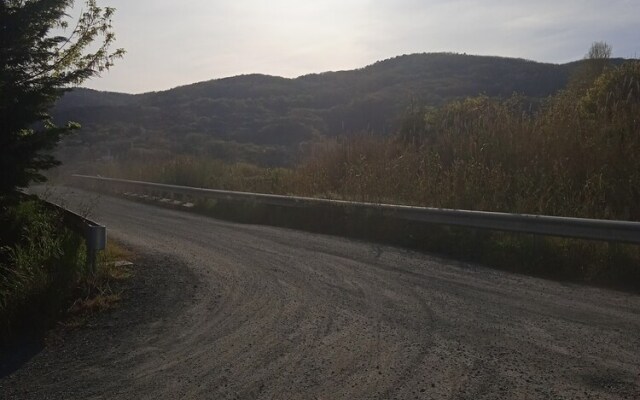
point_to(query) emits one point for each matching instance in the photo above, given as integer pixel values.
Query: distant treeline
(272, 121)
(576, 154)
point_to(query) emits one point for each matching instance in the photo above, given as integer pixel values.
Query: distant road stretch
(273, 313)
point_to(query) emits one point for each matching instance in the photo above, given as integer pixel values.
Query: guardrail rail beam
(580, 228)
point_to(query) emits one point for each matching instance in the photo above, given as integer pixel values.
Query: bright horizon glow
(171, 43)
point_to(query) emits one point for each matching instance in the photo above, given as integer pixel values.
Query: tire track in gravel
(271, 313)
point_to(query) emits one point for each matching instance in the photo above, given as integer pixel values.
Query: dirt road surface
(219, 310)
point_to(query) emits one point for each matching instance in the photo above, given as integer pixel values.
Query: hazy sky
(171, 43)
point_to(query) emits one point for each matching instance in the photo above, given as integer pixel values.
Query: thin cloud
(171, 43)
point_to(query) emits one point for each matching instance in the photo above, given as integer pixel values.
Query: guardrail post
(94, 234)
(96, 239)
(91, 260)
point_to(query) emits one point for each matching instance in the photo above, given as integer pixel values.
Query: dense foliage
(575, 154)
(39, 268)
(271, 121)
(578, 155)
(36, 67)
(40, 59)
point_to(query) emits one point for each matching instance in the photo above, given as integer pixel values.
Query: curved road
(244, 311)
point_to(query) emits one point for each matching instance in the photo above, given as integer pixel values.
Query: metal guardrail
(94, 234)
(595, 229)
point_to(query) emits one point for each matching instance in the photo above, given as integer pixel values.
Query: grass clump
(99, 292)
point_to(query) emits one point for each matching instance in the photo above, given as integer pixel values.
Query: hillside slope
(266, 119)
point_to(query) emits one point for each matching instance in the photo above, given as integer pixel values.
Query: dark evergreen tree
(41, 57)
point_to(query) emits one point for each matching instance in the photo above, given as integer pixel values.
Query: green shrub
(40, 262)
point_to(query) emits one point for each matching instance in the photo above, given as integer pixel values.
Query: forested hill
(266, 119)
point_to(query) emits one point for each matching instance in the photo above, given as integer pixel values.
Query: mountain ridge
(265, 119)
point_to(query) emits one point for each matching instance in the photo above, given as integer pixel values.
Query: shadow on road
(13, 356)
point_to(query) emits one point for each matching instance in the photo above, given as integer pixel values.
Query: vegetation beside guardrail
(40, 261)
(43, 265)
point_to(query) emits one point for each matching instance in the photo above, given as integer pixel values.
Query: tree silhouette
(41, 57)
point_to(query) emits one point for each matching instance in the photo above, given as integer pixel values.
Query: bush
(40, 263)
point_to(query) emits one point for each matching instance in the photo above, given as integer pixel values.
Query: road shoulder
(96, 358)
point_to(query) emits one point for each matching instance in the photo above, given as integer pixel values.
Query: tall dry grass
(578, 155)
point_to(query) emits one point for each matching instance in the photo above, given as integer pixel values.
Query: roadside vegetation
(44, 273)
(576, 154)
(40, 263)
(44, 52)
(99, 291)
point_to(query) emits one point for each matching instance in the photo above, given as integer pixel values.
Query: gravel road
(219, 310)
